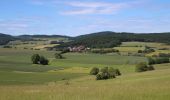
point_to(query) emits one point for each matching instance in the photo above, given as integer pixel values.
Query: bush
(98, 76)
(94, 71)
(112, 72)
(150, 67)
(117, 72)
(141, 67)
(43, 60)
(35, 59)
(151, 61)
(140, 51)
(107, 73)
(104, 70)
(58, 56)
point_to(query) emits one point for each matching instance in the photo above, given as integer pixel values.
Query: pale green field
(141, 44)
(154, 85)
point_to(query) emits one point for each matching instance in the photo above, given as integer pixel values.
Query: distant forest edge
(105, 39)
(111, 39)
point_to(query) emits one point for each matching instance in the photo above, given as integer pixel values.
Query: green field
(69, 79)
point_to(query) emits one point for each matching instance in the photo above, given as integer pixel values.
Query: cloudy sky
(76, 17)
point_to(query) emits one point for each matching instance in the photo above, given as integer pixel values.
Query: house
(80, 48)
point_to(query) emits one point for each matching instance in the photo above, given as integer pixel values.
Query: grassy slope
(154, 85)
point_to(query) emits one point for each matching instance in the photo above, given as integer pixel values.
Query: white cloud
(94, 8)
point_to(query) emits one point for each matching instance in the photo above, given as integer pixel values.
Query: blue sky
(77, 17)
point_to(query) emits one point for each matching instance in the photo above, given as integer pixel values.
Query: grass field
(69, 79)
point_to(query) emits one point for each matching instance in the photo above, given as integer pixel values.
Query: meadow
(69, 79)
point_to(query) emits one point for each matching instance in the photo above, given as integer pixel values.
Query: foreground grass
(153, 85)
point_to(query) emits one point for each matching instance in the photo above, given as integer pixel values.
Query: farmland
(69, 79)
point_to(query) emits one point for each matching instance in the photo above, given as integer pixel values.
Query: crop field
(69, 79)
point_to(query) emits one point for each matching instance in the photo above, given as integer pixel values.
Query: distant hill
(4, 39)
(109, 39)
(43, 36)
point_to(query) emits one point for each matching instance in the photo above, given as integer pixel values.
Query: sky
(77, 17)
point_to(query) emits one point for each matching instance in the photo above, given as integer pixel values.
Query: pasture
(69, 79)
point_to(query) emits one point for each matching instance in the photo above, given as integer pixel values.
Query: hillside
(109, 39)
(43, 36)
(4, 39)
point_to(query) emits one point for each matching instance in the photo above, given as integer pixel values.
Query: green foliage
(107, 73)
(112, 72)
(161, 60)
(117, 72)
(109, 39)
(58, 56)
(140, 51)
(4, 39)
(158, 60)
(141, 67)
(43, 60)
(99, 76)
(104, 70)
(35, 58)
(94, 71)
(150, 67)
(151, 61)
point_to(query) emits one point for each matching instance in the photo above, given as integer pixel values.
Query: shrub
(150, 67)
(107, 73)
(151, 61)
(104, 70)
(140, 51)
(35, 59)
(58, 56)
(141, 67)
(112, 72)
(98, 76)
(43, 60)
(94, 71)
(117, 72)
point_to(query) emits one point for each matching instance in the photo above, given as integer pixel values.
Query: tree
(141, 67)
(112, 72)
(35, 58)
(58, 56)
(151, 61)
(43, 60)
(94, 71)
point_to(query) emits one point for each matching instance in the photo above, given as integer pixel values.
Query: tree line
(111, 39)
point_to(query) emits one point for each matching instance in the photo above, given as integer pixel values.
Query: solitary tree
(43, 60)
(35, 58)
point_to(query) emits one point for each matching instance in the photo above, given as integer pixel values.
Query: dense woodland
(4, 39)
(105, 39)
(111, 39)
